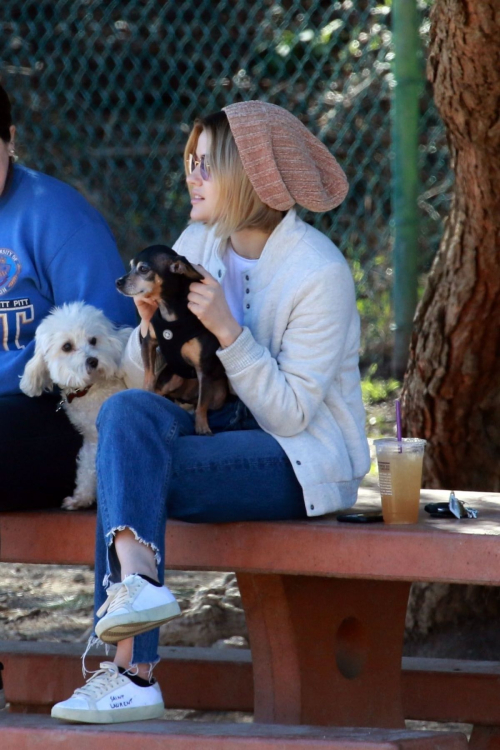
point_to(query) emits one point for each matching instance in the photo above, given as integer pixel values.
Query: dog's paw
(76, 503)
(201, 428)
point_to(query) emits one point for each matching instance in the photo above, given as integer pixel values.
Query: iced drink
(400, 478)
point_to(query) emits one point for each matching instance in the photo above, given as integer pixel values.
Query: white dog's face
(76, 345)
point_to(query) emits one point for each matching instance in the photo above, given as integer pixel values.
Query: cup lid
(405, 444)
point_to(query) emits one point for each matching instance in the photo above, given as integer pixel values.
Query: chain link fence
(104, 95)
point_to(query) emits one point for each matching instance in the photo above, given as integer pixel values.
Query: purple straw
(398, 421)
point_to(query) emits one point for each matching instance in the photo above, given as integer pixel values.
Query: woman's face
(204, 193)
(5, 153)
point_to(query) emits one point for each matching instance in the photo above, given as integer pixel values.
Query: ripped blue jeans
(151, 466)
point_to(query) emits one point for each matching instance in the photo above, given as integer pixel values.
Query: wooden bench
(41, 733)
(325, 606)
(442, 690)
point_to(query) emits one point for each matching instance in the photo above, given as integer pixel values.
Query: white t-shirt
(233, 282)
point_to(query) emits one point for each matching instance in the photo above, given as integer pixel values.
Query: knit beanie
(285, 163)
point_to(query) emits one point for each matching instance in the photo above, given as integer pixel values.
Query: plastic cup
(400, 477)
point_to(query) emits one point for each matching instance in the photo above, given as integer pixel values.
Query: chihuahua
(192, 371)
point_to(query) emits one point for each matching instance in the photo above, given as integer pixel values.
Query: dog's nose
(92, 363)
(120, 282)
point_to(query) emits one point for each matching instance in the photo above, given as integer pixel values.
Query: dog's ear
(111, 344)
(183, 266)
(117, 341)
(123, 335)
(36, 377)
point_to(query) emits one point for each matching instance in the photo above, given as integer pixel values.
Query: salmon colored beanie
(285, 163)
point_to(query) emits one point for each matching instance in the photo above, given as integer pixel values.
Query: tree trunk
(451, 393)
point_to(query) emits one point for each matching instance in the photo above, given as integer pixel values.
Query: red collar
(78, 393)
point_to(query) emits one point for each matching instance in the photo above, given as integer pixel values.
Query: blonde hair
(238, 206)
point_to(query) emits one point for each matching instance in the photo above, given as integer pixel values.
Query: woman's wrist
(229, 334)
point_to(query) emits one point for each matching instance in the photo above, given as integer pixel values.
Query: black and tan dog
(192, 372)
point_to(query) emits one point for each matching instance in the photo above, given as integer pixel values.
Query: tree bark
(451, 392)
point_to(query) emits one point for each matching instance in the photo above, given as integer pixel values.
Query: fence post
(404, 121)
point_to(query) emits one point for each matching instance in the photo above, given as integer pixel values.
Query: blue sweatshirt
(54, 248)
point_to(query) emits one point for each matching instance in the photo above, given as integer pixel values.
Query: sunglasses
(192, 162)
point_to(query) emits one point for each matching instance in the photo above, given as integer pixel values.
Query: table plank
(440, 550)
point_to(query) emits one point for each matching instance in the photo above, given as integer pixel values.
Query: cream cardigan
(295, 365)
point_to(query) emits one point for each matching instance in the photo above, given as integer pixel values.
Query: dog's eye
(67, 347)
(93, 341)
(142, 269)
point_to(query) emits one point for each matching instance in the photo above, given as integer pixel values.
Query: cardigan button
(219, 273)
(247, 277)
(299, 463)
(311, 507)
(248, 307)
(247, 291)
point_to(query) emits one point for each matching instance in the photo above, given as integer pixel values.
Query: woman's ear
(36, 377)
(184, 267)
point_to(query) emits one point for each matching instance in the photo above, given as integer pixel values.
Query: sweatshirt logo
(10, 268)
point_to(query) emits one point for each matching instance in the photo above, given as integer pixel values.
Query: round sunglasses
(192, 162)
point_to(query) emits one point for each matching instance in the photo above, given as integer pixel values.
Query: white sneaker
(134, 606)
(110, 697)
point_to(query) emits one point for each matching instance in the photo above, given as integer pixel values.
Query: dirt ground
(54, 603)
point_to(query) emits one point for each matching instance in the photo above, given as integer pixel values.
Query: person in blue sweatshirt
(54, 248)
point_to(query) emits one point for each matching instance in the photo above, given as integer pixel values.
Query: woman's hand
(206, 300)
(146, 308)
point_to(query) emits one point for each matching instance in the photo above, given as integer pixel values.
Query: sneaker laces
(99, 682)
(118, 595)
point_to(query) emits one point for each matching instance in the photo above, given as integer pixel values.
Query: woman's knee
(128, 407)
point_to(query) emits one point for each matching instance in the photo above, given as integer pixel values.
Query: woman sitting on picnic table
(280, 298)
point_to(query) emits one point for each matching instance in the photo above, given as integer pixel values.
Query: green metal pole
(405, 113)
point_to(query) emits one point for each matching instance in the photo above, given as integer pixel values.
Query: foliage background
(104, 96)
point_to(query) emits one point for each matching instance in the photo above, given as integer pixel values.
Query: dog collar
(68, 397)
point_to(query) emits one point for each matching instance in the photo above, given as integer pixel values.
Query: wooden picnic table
(339, 613)
(325, 602)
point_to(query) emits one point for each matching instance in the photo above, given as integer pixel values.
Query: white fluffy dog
(78, 349)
